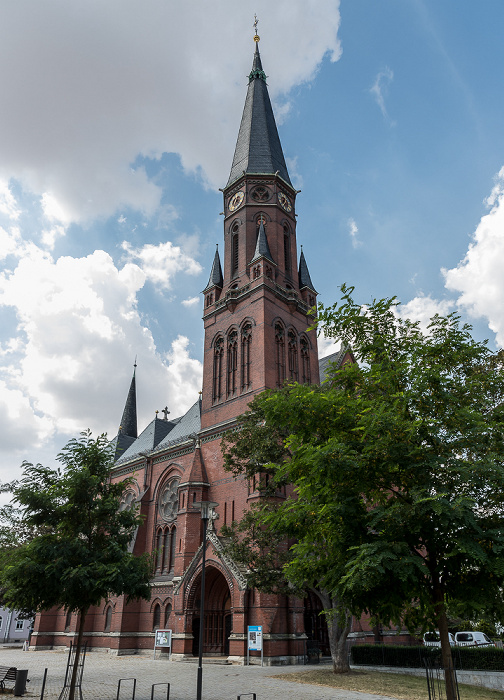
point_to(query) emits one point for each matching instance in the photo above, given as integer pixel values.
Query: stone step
(220, 660)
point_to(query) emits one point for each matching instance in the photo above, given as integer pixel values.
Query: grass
(394, 685)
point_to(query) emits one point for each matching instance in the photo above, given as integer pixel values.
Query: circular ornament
(236, 200)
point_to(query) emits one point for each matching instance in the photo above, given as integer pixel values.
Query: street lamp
(205, 507)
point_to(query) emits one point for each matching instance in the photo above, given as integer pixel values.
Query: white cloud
(161, 262)
(423, 308)
(478, 278)
(78, 331)
(326, 346)
(8, 204)
(380, 89)
(89, 87)
(354, 232)
(193, 301)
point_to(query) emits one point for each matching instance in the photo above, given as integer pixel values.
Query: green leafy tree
(80, 555)
(406, 446)
(293, 507)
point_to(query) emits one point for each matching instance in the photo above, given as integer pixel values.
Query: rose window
(168, 500)
(127, 501)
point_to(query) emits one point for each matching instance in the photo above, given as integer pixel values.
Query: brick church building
(256, 320)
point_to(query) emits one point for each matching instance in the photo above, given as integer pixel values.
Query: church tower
(257, 312)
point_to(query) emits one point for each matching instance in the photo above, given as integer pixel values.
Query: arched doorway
(315, 623)
(218, 615)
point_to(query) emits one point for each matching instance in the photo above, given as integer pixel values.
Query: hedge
(464, 658)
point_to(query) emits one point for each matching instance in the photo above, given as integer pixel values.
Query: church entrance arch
(315, 623)
(218, 614)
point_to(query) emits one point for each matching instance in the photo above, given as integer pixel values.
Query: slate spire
(262, 248)
(129, 417)
(304, 275)
(258, 148)
(216, 278)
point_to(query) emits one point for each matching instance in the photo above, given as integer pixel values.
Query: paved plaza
(220, 682)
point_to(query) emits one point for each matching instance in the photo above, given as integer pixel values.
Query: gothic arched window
(108, 619)
(246, 340)
(232, 362)
(168, 610)
(234, 250)
(287, 251)
(217, 369)
(305, 361)
(159, 549)
(280, 353)
(166, 550)
(293, 356)
(173, 545)
(156, 617)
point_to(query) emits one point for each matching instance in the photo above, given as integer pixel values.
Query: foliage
(396, 466)
(401, 656)
(80, 555)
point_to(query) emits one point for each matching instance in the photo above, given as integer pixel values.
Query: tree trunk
(338, 624)
(446, 654)
(82, 619)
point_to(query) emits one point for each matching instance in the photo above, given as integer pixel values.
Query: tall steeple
(257, 315)
(258, 148)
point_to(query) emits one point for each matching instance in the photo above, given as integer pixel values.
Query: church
(256, 319)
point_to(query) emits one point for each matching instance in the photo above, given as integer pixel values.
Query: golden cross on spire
(256, 22)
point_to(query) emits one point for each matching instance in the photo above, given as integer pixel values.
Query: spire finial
(256, 35)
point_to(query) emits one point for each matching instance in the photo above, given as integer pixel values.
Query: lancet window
(305, 361)
(287, 250)
(280, 353)
(234, 250)
(232, 362)
(246, 340)
(293, 356)
(217, 369)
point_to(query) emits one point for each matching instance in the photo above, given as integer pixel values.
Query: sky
(118, 126)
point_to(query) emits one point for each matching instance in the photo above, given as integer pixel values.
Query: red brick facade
(256, 318)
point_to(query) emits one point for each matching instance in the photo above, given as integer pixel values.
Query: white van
(473, 639)
(431, 639)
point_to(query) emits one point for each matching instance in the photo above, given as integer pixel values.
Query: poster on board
(255, 638)
(162, 639)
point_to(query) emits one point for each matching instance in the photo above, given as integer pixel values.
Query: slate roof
(148, 438)
(258, 148)
(188, 424)
(262, 248)
(336, 358)
(216, 278)
(304, 275)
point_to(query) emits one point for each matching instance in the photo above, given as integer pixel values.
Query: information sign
(162, 638)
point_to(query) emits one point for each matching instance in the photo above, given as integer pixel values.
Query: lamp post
(205, 507)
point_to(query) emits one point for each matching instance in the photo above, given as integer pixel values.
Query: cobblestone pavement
(220, 682)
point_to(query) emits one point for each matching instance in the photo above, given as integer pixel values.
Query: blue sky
(119, 126)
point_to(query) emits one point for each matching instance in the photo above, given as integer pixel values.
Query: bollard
(119, 686)
(167, 690)
(21, 680)
(43, 685)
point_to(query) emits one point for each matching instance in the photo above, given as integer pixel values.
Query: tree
(407, 444)
(294, 507)
(80, 555)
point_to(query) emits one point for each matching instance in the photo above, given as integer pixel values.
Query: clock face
(236, 200)
(284, 201)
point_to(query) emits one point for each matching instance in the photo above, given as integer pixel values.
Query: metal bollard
(167, 690)
(21, 680)
(119, 686)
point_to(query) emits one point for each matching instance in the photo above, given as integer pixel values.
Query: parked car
(431, 639)
(473, 639)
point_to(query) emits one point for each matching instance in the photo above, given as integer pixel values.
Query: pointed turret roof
(304, 275)
(262, 248)
(129, 417)
(216, 278)
(128, 430)
(258, 148)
